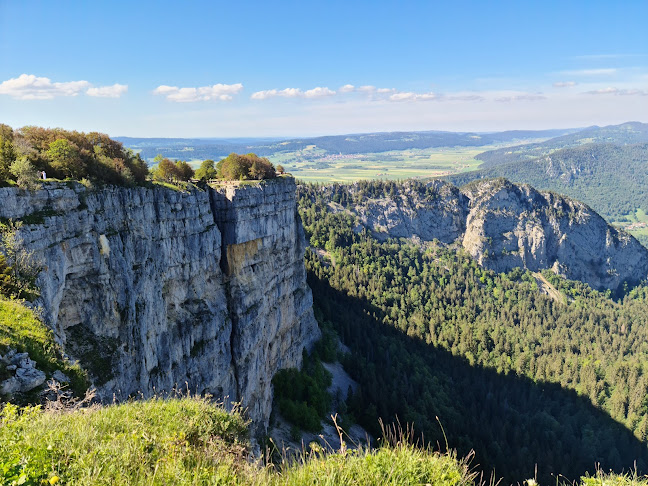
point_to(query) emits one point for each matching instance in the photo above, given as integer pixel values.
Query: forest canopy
(245, 167)
(534, 384)
(64, 154)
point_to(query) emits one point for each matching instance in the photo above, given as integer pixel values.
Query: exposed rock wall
(504, 225)
(153, 288)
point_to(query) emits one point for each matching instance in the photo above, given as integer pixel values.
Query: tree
(207, 171)
(65, 158)
(165, 170)
(7, 151)
(280, 169)
(184, 172)
(19, 264)
(24, 172)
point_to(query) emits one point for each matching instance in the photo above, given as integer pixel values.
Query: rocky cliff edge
(154, 289)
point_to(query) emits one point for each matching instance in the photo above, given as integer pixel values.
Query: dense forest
(522, 378)
(624, 134)
(26, 152)
(612, 179)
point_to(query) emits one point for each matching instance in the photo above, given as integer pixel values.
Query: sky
(304, 68)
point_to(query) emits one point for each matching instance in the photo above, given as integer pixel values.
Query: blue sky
(227, 69)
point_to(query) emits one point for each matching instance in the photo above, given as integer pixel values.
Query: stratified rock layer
(154, 289)
(505, 225)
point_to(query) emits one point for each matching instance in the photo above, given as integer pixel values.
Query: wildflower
(54, 480)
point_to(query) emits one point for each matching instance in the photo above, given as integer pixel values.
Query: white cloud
(347, 88)
(591, 72)
(216, 92)
(565, 84)
(30, 87)
(617, 91)
(521, 97)
(367, 89)
(114, 91)
(411, 96)
(467, 97)
(318, 92)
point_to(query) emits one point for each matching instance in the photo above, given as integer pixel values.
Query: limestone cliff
(152, 288)
(503, 226)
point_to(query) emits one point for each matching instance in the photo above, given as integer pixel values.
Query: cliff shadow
(518, 428)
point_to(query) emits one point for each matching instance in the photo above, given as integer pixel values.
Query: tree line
(511, 373)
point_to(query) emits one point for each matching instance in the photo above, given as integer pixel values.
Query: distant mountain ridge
(611, 178)
(338, 144)
(624, 134)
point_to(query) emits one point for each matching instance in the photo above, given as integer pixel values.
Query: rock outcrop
(25, 376)
(152, 289)
(505, 225)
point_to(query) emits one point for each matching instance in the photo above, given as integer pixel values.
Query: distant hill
(612, 179)
(342, 144)
(624, 134)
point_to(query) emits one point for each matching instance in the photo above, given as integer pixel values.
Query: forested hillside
(612, 179)
(523, 368)
(624, 134)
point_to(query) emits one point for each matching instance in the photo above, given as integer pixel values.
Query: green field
(314, 165)
(636, 224)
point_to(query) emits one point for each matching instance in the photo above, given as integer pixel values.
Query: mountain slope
(335, 144)
(624, 134)
(612, 179)
(533, 383)
(502, 225)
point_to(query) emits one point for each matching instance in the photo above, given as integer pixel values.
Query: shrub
(244, 167)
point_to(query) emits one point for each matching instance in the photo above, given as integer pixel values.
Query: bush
(245, 167)
(207, 171)
(70, 154)
(302, 396)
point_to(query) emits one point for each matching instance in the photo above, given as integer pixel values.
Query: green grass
(603, 479)
(188, 441)
(316, 166)
(638, 216)
(20, 329)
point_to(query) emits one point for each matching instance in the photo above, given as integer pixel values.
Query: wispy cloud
(521, 97)
(114, 91)
(30, 87)
(616, 91)
(565, 84)
(375, 94)
(411, 96)
(216, 92)
(592, 72)
(318, 92)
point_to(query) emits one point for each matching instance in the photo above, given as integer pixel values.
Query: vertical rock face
(503, 226)
(153, 289)
(270, 305)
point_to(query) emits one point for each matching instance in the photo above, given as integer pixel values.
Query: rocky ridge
(154, 289)
(503, 226)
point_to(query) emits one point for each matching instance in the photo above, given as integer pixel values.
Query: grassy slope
(187, 441)
(21, 330)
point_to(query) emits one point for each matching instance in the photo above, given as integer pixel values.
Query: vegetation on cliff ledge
(27, 152)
